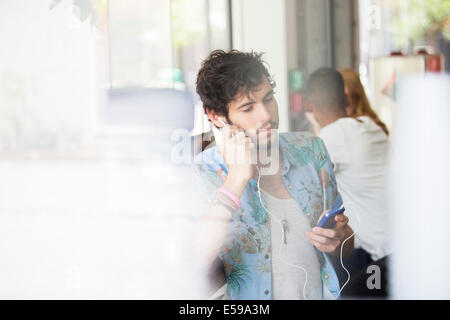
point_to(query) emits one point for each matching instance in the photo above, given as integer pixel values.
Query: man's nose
(264, 114)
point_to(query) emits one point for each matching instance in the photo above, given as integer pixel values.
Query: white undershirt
(288, 281)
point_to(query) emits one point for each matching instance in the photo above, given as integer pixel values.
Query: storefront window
(161, 43)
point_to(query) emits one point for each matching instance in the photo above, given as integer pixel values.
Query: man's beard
(264, 141)
(268, 153)
(263, 145)
(265, 137)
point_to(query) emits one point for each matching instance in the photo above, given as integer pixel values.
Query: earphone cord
(281, 244)
(342, 263)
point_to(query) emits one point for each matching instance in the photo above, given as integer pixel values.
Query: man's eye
(268, 99)
(248, 109)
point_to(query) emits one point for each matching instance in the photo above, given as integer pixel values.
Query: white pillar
(420, 184)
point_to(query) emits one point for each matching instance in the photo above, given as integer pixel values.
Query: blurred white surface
(420, 189)
(97, 230)
(49, 76)
(89, 207)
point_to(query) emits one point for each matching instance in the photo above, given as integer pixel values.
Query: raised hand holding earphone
(238, 153)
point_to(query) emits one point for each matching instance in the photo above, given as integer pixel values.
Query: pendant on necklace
(285, 229)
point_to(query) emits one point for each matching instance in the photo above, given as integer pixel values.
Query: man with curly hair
(267, 190)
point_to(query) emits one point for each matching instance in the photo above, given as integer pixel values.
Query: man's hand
(238, 152)
(330, 240)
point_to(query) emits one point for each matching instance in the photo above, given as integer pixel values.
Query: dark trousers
(360, 274)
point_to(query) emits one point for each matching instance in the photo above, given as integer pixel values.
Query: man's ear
(308, 106)
(213, 117)
(350, 110)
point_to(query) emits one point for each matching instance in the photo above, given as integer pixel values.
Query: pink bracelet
(230, 195)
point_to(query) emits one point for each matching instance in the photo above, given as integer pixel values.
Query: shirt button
(325, 276)
(266, 292)
(290, 187)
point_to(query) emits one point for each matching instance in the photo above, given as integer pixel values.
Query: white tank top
(288, 281)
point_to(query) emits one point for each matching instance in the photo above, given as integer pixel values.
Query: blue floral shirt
(246, 252)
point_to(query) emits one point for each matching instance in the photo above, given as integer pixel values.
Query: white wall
(261, 25)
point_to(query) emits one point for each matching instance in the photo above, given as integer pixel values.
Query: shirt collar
(287, 161)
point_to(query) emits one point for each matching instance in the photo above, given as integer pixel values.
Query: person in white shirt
(358, 151)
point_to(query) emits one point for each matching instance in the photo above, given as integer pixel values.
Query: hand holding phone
(327, 221)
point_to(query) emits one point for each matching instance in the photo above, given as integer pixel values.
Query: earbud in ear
(221, 121)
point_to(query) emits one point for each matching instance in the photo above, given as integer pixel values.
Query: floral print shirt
(246, 251)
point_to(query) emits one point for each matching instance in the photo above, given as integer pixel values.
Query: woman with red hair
(358, 104)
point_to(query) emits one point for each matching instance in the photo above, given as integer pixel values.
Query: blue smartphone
(327, 220)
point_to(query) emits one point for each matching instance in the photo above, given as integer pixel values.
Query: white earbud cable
(342, 263)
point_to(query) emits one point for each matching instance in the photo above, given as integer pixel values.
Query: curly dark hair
(224, 74)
